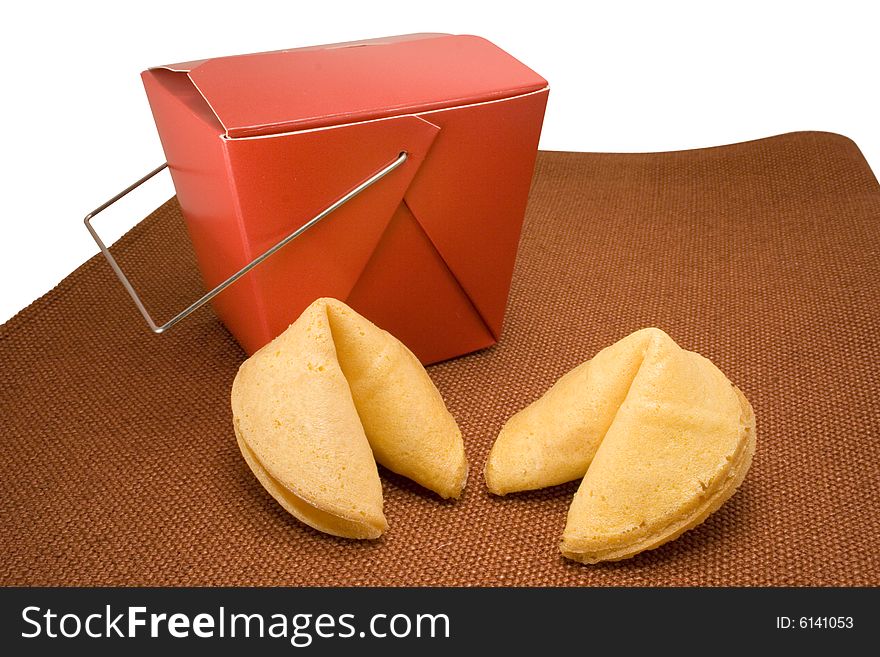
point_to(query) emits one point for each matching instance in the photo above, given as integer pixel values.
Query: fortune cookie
(659, 435)
(316, 409)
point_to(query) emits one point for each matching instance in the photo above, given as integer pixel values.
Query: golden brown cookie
(317, 407)
(659, 435)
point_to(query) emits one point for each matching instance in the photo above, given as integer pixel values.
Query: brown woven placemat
(119, 464)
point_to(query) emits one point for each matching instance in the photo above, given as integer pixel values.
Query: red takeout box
(259, 144)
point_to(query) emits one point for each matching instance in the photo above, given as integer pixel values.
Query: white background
(624, 76)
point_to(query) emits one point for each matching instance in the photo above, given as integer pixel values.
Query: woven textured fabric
(119, 463)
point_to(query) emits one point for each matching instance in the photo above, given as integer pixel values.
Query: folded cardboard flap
(303, 88)
(179, 85)
(259, 144)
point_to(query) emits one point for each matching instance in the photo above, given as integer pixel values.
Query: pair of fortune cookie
(660, 437)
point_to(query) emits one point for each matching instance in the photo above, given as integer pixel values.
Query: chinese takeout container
(258, 145)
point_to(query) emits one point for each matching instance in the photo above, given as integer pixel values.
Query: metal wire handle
(155, 328)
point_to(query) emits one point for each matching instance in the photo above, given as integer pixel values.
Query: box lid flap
(286, 90)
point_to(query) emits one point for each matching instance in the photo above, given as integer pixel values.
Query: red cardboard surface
(302, 88)
(259, 144)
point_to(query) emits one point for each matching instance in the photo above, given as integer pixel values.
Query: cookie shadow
(552, 493)
(393, 482)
